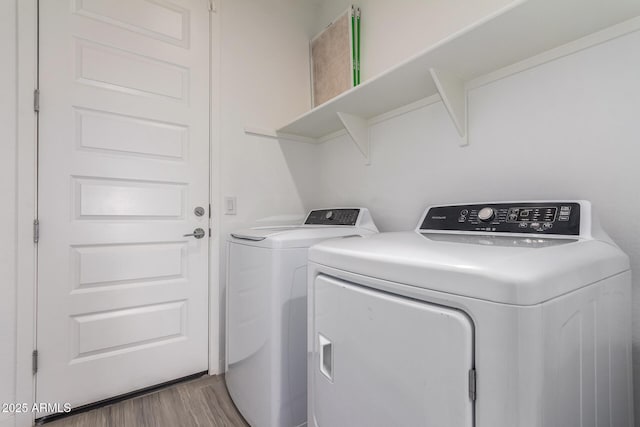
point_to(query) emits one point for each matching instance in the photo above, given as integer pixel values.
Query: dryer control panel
(558, 218)
(333, 217)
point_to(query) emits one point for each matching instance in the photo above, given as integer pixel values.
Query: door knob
(198, 233)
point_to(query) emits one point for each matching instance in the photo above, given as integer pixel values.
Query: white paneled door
(123, 165)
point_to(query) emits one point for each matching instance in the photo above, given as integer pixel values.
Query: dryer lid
(504, 269)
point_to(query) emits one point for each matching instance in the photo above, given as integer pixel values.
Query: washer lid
(320, 224)
(292, 237)
(510, 270)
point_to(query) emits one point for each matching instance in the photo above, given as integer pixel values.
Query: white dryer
(267, 313)
(489, 315)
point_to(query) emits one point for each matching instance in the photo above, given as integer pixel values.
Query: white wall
(263, 81)
(393, 31)
(8, 144)
(564, 130)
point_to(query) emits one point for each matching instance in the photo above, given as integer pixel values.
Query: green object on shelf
(354, 58)
(358, 47)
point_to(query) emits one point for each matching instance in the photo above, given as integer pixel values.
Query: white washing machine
(267, 313)
(489, 315)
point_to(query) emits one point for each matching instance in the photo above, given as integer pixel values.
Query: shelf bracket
(358, 130)
(454, 96)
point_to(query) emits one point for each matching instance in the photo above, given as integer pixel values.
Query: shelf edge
(274, 134)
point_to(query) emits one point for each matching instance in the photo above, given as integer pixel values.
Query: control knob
(329, 215)
(486, 214)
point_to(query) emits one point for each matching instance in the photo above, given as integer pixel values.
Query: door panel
(120, 134)
(160, 20)
(123, 162)
(383, 360)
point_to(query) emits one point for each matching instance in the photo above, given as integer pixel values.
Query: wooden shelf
(518, 32)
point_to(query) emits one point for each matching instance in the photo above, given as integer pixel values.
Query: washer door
(384, 360)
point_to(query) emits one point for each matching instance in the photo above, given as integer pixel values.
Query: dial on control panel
(486, 214)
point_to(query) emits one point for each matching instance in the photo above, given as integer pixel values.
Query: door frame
(27, 204)
(216, 297)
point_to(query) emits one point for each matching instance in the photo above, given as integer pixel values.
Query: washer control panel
(562, 218)
(333, 217)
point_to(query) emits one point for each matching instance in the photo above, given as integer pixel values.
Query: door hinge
(209, 210)
(212, 6)
(34, 361)
(209, 232)
(36, 100)
(472, 384)
(36, 231)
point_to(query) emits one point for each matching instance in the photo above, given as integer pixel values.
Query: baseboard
(116, 399)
